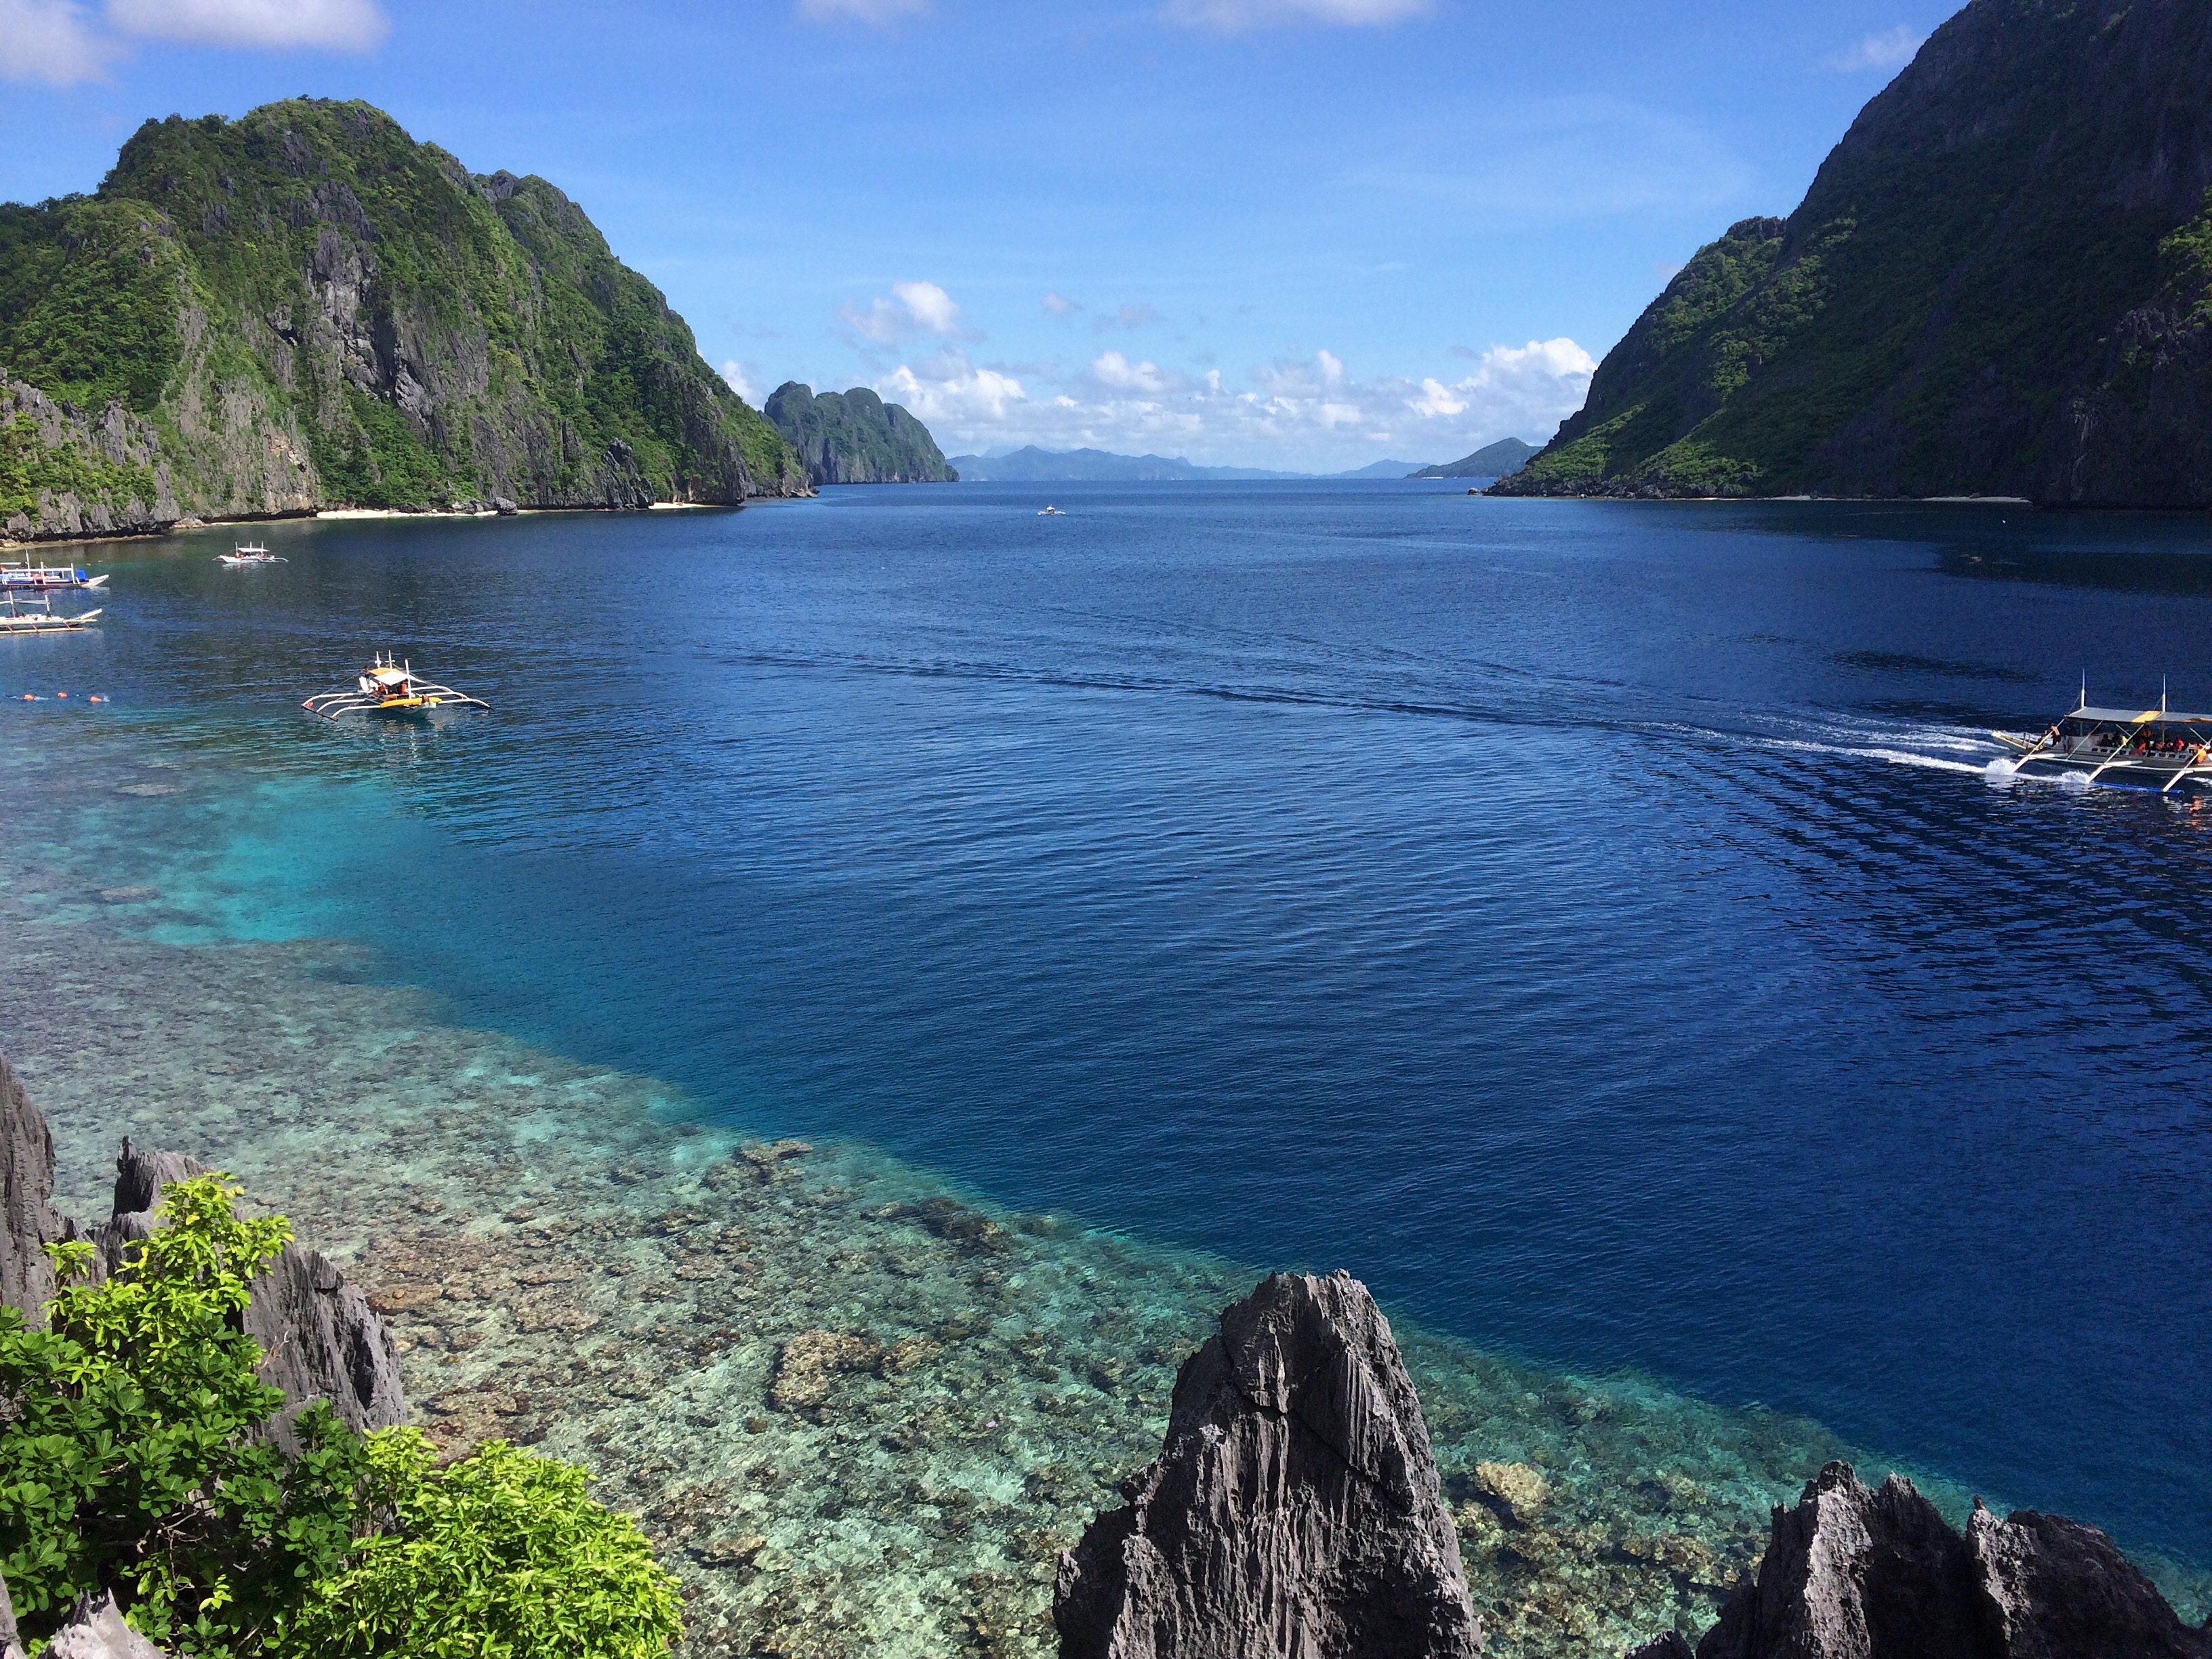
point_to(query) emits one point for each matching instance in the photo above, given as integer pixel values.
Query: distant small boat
(251, 553)
(386, 687)
(1052, 512)
(26, 577)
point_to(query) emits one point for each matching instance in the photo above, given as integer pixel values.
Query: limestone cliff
(855, 437)
(1999, 282)
(305, 308)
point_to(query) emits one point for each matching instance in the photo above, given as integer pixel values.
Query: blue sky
(1305, 233)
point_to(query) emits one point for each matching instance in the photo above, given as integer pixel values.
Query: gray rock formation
(11, 1642)
(95, 1630)
(1294, 1512)
(85, 472)
(320, 1338)
(1851, 1573)
(323, 1341)
(29, 1220)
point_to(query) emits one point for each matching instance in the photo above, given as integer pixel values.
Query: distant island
(305, 308)
(1034, 466)
(855, 437)
(1498, 460)
(2000, 284)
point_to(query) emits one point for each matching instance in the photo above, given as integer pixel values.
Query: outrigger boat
(251, 553)
(2146, 749)
(15, 619)
(26, 577)
(386, 687)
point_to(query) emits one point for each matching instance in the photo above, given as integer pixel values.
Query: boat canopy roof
(2140, 717)
(385, 675)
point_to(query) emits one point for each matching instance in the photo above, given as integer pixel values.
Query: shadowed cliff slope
(855, 437)
(305, 308)
(1999, 282)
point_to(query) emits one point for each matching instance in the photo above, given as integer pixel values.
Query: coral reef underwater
(855, 1409)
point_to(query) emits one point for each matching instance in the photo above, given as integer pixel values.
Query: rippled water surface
(1599, 926)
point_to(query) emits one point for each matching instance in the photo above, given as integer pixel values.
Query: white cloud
(913, 308)
(1234, 15)
(340, 25)
(1117, 373)
(1435, 398)
(930, 305)
(734, 372)
(1059, 305)
(947, 391)
(881, 13)
(1890, 49)
(48, 40)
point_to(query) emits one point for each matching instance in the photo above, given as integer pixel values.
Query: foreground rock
(320, 1338)
(95, 1630)
(29, 1220)
(1294, 1510)
(1854, 1573)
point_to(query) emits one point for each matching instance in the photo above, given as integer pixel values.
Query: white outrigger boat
(16, 619)
(2146, 749)
(386, 687)
(250, 553)
(24, 577)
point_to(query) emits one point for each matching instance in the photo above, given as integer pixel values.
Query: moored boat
(32, 612)
(387, 687)
(250, 553)
(2144, 749)
(25, 577)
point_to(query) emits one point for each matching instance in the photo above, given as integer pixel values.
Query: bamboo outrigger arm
(331, 704)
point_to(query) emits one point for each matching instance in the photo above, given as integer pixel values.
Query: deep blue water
(1592, 924)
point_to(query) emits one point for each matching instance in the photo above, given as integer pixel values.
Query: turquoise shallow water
(1594, 926)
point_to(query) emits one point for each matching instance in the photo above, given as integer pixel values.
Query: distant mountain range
(1499, 461)
(1034, 466)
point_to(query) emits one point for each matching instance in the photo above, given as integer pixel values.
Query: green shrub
(130, 1462)
(500, 1556)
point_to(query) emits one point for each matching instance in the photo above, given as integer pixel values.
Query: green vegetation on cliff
(855, 437)
(312, 309)
(1999, 282)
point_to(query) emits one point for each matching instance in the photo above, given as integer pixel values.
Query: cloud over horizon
(1308, 412)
